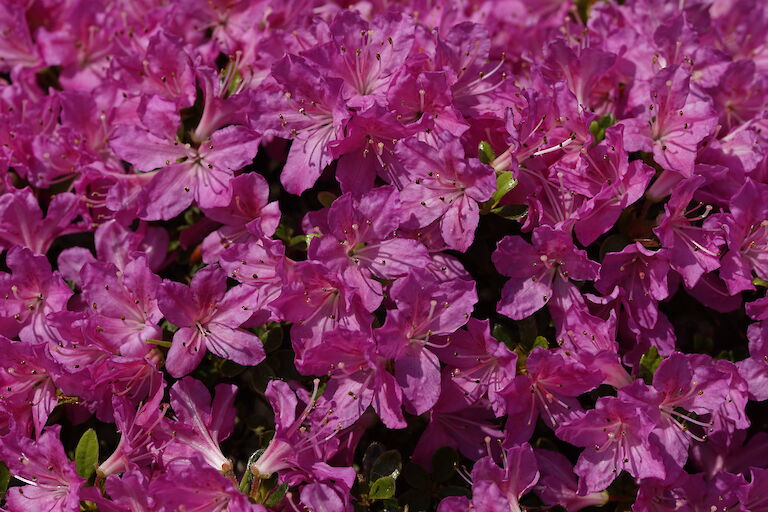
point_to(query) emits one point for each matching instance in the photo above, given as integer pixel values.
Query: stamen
(557, 147)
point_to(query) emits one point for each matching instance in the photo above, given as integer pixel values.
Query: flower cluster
(248, 245)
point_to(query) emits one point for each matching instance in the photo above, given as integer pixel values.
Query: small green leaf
(382, 488)
(444, 462)
(247, 480)
(485, 152)
(369, 457)
(649, 362)
(234, 83)
(168, 326)
(528, 329)
(277, 495)
(503, 334)
(388, 463)
(5, 477)
(511, 211)
(760, 282)
(597, 128)
(726, 354)
(540, 341)
(191, 215)
(284, 232)
(273, 338)
(505, 182)
(326, 198)
(229, 368)
(87, 454)
(298, 240)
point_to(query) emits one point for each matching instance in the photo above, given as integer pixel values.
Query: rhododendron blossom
(368, 256)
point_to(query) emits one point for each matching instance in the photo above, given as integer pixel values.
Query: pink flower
(208, 316)
(359, 377)
(477, 363)
(678, 121)
(538, 270)
(693, 250)
(29, 294)
(50, 478)
(548, 390)
(498, 489)
(298, 452)
(425, 308)
(201, 423)
(360, 239)
(446, 187)
(615, 435)
(27, 388)
(22, 222)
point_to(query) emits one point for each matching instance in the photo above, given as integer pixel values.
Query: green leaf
(540, 341)
(191, 215)
(726, 354)
(416, 476)
(247, 480)
(369, 457)
(388, 463)
(597, 128)
(382, 488)
(229, 368)
(277, 495)
(760, 282)
(87, 454)
(5, 477)
(505, 181)
(444, 462)
(168, 326)
(284, 232)
(528, 331)
(648, 363)
(485, 152)
(325, 198)
(298, 240)
(273, 338)
(234, 83)
(503, 334)
(511, 211)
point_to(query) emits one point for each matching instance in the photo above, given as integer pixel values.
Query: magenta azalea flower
(355, 212)
(538, 271)
(498, 489)
(208, 317)
(616, 438)
(51, 482)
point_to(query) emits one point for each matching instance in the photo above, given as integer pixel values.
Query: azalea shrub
(407, 255)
